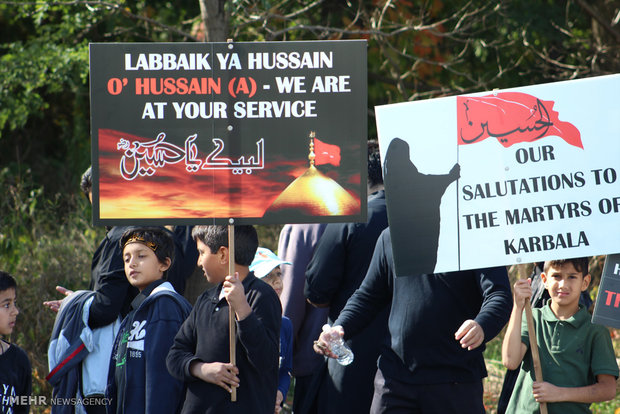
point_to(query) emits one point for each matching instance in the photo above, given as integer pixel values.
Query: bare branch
(303, 10)
(596, 16)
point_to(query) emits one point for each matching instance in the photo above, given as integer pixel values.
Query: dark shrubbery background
(42, 244)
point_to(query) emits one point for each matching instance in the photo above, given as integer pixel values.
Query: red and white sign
(538, 173)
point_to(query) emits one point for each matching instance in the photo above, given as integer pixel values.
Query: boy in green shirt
(577, 357)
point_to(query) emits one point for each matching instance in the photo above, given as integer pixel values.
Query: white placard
(540, 179)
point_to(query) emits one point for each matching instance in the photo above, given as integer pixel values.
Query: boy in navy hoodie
(138, 379)
(200, 353)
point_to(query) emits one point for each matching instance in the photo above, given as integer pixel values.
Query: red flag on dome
(326, 153)
(511, 117)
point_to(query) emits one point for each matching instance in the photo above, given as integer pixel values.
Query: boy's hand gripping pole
(232, 336)
(534, 347)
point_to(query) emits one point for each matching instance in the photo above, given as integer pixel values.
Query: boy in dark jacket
(200, 351)
(138, 379)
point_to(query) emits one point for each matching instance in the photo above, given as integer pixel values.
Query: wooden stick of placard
(534, 347)
(232, 336)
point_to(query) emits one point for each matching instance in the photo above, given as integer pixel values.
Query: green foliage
(41, 251)
(48, 58)
(44, 115)
(32, 70)
(607, 407)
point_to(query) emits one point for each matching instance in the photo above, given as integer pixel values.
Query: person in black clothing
(337, 268)
(438, 326)
(185, 257)
(201, 347)
(15, 369)
(112, 292)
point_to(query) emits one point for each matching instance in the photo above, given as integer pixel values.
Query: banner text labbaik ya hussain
(269, 132)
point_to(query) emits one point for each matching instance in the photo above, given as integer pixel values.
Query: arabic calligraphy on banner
(265, 132)
(147, 157)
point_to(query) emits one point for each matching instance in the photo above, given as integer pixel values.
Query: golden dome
(314, 194)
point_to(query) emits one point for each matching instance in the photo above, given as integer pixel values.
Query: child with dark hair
(576, 356)
(138, 381)
(15, 371)
(201, 347)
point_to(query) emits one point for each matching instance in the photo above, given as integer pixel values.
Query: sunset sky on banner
(174, 192)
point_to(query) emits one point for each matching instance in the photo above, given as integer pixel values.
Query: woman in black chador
(413, 201)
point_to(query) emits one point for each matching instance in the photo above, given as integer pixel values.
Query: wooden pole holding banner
(232, 335)
(534, 347)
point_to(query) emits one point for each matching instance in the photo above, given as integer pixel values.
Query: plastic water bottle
(338, 347)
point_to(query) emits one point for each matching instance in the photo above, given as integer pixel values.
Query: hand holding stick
(534, 347)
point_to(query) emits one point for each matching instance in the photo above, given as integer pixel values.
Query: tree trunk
(215, 20)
